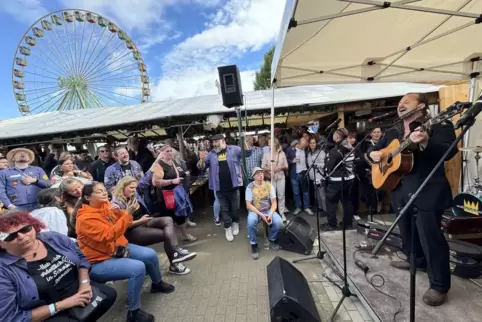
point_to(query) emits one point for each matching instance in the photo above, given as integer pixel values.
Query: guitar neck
(405, 144)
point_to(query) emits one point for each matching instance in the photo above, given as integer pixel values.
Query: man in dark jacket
(139, 152)
(97, 168)
(432, 251)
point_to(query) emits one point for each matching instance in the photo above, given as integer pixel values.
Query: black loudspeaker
(298, 237)
(230, 86)
(290, 298)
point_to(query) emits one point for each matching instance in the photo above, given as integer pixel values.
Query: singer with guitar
(432, 252)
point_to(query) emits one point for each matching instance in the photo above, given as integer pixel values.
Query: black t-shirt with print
(225, 182)
(54, 271)
(126, 170)
(170, 173)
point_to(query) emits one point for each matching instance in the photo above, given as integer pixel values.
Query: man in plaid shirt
(254, 160)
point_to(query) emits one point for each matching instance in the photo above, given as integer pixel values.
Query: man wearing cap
(225, 178)
(261, 205)
(21, 182)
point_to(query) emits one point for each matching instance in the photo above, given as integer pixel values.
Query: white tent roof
(352, 41)
(78, 120)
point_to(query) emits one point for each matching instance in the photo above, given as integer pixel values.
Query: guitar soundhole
(389, 159)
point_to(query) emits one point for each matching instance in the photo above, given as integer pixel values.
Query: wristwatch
(85, 282)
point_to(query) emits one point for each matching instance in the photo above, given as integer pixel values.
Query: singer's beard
(217, 150)
(22, 164)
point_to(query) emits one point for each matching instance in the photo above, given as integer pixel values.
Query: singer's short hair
(422, 98)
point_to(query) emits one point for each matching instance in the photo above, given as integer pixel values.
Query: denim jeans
(273, 230)
(216, 206)
(141, 260)
(301, 180)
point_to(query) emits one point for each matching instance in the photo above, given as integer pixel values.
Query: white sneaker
(235, 227)
(189, 223)
(229, 234)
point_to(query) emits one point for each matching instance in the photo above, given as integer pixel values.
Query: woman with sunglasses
(43, 275)
(101, 228)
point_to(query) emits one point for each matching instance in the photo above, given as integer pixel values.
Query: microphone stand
(321, 253)
(414, 211)
(345, 290)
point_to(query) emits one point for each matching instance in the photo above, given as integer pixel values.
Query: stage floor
(464, 299)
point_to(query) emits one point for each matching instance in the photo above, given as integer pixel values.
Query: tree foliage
(263, 76)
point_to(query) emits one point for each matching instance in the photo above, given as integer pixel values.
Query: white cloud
(240, 26)
(27, 11)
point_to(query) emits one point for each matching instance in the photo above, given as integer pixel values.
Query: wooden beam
(448, 96)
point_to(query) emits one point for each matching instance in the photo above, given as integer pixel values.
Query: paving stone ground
(226, 285)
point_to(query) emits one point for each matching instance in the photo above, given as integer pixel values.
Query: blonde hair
(118, 192)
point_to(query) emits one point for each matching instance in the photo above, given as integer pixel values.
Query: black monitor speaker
(230, 86)
(290, 297)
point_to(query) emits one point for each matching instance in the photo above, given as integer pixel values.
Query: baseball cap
(217, 137)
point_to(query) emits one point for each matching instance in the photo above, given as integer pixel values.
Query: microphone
(333, 125)
(381, 116)
(469, 117)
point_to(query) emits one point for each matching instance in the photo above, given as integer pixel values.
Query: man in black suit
(432, 251)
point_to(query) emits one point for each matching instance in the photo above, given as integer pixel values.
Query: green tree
(263, 76)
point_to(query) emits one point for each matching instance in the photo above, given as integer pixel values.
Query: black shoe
(182, 255)
(162, 287)
(254, 251)
(327, 227)
(139, 316)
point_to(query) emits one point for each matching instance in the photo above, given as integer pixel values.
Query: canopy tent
(366, 41)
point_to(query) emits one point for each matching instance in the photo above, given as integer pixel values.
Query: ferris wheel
(76, 59)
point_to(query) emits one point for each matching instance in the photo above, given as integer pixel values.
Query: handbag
(168, 195)
(267, 173)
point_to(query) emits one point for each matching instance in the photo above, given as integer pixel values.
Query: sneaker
(273, 245)
(229, 234)
(189, 238)
(235, 227)
(179, 269)
(286, 211)
(217, 221)
(309, 212)
(139, 316)
(189, 223)
(283, 217)
(162, 287)
(182, 255)
(254, 251)
(296, 212)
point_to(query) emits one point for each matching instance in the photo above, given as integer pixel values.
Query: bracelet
(85, 282)
(52, 309)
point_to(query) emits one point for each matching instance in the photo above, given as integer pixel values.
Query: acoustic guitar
(396, 161)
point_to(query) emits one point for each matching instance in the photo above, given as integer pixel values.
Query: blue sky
(181, 41)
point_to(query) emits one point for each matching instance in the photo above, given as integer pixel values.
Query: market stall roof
(175, 110)
(353, 41)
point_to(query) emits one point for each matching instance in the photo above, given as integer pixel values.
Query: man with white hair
(21, 182)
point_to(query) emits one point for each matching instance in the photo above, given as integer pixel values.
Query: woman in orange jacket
(100, 230)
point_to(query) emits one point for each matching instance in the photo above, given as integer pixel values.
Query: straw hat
(11, 155)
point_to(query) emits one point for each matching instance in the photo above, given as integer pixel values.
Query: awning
(352, 41)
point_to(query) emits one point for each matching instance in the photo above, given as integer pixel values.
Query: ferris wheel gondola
(77, 59)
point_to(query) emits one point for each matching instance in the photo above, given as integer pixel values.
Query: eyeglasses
(14, 235)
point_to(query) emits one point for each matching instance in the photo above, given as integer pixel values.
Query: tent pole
(272, 130)
(241, 143)
(465, 142)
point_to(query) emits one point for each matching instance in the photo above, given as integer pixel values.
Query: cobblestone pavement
(226, 285)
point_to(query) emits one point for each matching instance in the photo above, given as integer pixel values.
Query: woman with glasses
(44, 276)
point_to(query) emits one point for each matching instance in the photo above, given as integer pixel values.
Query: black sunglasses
(14, 235)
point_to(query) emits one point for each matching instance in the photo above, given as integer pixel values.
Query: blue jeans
(254, 219)
(141, 260)
(216, 206)
(301, 180)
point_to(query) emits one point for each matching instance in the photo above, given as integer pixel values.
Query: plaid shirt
(253, 161)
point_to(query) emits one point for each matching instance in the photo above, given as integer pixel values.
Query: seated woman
(71, 191)
(28, 281)
(67, 171)
(100, 228)
(50, 212)
(146, 230)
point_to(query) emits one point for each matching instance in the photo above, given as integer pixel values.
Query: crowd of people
(70, 223)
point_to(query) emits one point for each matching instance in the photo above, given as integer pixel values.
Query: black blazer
(437, 194)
